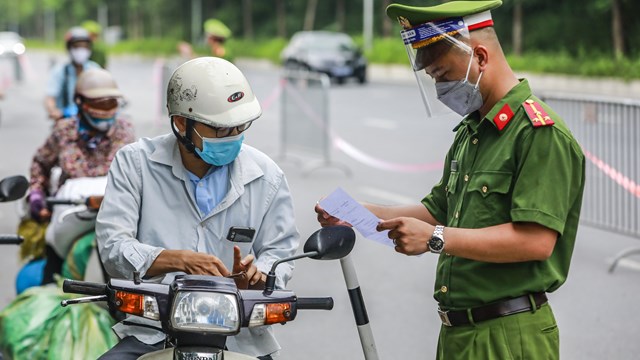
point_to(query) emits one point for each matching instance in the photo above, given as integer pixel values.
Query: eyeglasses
(226, 131)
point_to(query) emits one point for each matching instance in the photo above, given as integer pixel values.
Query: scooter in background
(71, 232)
(12, 188)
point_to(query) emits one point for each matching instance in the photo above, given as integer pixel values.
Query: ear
(482, 54)
(181, 123)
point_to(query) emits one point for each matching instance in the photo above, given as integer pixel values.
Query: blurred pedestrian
(504, 216)
(59, 100)
(98, 50)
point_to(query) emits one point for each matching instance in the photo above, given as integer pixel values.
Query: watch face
(436, 244)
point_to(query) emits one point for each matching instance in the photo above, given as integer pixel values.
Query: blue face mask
(220, 151)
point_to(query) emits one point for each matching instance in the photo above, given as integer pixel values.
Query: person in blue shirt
(171, 200)
(60, 88)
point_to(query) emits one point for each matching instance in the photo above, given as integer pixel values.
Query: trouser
(131, 348)
(528, 335)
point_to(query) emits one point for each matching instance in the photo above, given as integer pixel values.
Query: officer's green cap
(420, 15)
(217, 28)
(91, 26)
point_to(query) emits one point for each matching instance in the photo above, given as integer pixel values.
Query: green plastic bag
(35, 326)
(75, 265)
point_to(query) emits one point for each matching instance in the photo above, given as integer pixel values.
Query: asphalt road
(393, 153)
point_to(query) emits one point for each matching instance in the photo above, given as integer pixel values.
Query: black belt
(493, 310)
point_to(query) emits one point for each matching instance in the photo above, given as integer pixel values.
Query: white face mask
(80, 55)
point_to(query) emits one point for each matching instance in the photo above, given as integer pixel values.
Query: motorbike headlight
(206, 311)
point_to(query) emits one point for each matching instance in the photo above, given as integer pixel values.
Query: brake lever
(241, 274)
(82, 300)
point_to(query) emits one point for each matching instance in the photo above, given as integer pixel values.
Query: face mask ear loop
(466, 77)
(478, 82)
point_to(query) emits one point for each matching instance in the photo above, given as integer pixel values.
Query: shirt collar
(512, 100)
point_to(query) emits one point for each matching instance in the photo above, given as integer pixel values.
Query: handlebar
(54, 201)
(315, 303)
(92, 202)
(11, 239)
(84, 287)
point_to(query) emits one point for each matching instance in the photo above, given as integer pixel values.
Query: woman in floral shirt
(82, 146)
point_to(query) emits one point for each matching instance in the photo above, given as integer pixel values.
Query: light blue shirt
(149, 206)
(56, 81)
(210, 190)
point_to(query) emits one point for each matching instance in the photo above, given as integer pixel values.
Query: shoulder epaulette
(536, 113)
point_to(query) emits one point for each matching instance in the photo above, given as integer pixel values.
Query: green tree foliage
(573, 27)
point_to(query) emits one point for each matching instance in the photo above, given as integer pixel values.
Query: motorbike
(71, 230)
(12, 188)
(198, 313)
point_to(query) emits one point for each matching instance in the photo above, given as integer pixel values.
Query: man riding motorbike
(59, 101)
(170, 201)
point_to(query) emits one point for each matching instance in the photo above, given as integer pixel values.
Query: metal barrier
(609, 132)
(305, 117)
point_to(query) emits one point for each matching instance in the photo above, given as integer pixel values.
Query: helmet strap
(186, 140)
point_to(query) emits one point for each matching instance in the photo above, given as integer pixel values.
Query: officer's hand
(252, 276)
(197, 263)
(410, 235)
(327, 220)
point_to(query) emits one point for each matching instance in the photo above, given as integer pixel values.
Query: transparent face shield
(435, 48)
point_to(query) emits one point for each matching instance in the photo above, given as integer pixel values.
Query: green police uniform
(519, 163)
(502, 169)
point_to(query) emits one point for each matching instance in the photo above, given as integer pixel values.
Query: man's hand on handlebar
(253, 278)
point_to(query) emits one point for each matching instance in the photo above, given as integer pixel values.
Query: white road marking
(629, 264)
(381, 123)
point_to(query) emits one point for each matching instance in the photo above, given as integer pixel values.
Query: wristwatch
(436, 242)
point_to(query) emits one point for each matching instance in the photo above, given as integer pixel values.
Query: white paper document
(339, 204)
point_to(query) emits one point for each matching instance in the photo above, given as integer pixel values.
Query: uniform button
(200, 184)
(484, 189)
(466, 178)
(446, 188)
(457, 214)
(447, 254)
(444, 289)
(503, 117)
(474, 141)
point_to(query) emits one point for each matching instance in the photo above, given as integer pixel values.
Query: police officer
(217, 33)
(504, 216)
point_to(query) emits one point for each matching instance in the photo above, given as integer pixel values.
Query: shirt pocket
(488, 195)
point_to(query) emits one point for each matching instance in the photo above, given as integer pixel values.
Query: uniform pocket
(488, 198)
(490, 182)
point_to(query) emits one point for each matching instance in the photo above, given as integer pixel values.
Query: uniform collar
(502, 112)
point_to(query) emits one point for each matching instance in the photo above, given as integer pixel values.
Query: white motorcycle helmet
(212, 91)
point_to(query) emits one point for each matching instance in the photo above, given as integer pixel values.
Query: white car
(11, 44)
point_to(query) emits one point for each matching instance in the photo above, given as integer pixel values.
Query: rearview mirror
(328, 243)
(13, 188)
(333, 242)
